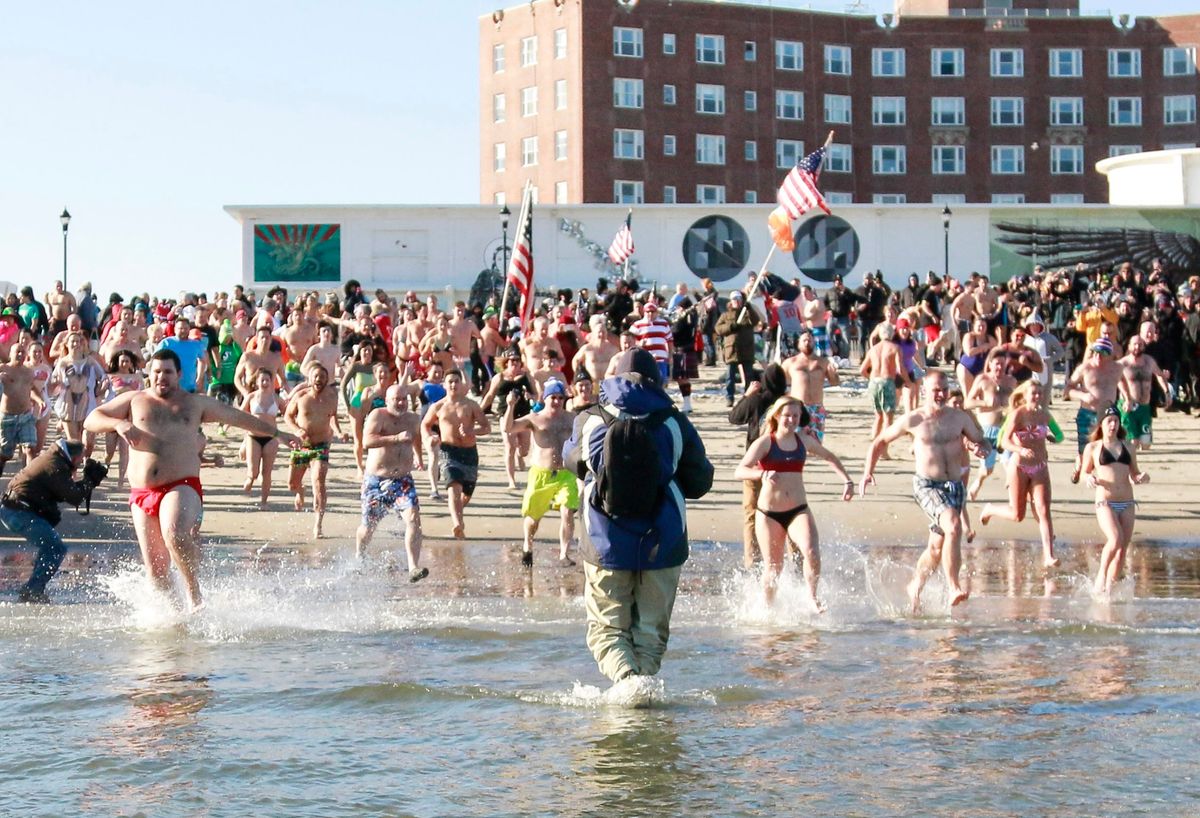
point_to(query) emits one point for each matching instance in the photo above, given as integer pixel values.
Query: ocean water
(313, 685)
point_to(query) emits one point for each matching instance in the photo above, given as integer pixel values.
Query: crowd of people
(581, 395)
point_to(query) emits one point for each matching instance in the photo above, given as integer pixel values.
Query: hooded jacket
(631, 544)
(43, 484)
(751, 408)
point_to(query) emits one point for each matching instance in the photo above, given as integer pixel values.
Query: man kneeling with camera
(30, 507)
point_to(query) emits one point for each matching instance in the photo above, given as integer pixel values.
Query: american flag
(622, 244)
(799, 193)
(520, 266)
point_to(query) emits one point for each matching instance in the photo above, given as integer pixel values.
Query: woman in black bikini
(512, 383)
(777, 458)
(1112, 470)
(265, 404)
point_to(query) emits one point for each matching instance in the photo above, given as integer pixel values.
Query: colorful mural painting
(1022, 238)
(297, 252)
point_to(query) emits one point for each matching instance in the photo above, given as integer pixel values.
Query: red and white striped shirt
(654, 336)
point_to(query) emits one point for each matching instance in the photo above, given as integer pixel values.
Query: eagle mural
(1105, 247)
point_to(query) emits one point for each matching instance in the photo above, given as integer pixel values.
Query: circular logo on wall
(716, 247)
(826, 246)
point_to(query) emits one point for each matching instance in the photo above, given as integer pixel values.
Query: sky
(145, 119)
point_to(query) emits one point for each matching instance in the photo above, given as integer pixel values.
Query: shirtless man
(20, 407)
(882, 365)
(594, 355)
(260, 357)
(462, 333)
(1139, 371)
(62, 306)
(492, 341)
(550, 485)
(1094, 383)
(987, 307)
(324, 351)
(938, 431)
(392, 440)
(459, 420)
(161, 424)
(297, 337)
(536, 341)
(962, 310)
(243, 330)
(808, 375)
(312, 411)
(988, 399)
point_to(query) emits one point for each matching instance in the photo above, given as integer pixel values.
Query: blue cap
(554, 387)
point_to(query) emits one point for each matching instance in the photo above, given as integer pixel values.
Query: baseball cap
(554, 387)
(737, 295)
(637, 362)
(903, 323)
(1103, 346)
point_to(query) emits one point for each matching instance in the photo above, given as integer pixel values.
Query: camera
(93, 472)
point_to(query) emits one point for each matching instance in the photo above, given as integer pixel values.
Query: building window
(710, 194)
(788, 152)
(560, 192)
(839, 158)
(528, 51)
(499, 155)
(889, 198)
(946, 62)
(888, 160)
(1178, 146)
(499, 198)
(1066, 159)
(750, 101)
(560, 145)
(668, 95)
(669, 44)
(887, 110)
(627, 42)
(529, 151)
(1008, 198)
(750, 150)
(1066, 111)
(948, 198)
(560, 47)
(1008, 111)
(710, 149)
(710, 99)
(1008, 62)
(750, 197)
(529, 101)
(947, 111)
(625, 192)
(1125, 111)
(750, 51)
(887, 62)
(1124, 62)
(1066, 62)
(560, 95)
(1008, 160)
(789, 55)
(498, 108)
(629, 143)
(837, 60)
(497, 58)
(1179, 110)
(710, 49)
(668, 144)
(1066, 198)
(627, 93)
(949, 160)
(789, 104)
(1179, 61)
(837, 109)
(836, 197)
(1123, 150)
(669, 194)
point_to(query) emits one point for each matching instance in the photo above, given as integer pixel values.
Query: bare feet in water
(958, 597)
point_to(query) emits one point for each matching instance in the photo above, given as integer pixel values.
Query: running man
(392, 440)
(454, 423)
(1138, 374)
(988, 398)
(808, 375)
(884, 366)
(162, 427)
(550, 486)
(312, 411)
(1094, 383)
(938, 432)
(20, 407)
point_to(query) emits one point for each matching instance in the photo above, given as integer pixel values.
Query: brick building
(944, 101)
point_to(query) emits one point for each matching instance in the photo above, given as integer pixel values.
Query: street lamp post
(946, 214)
(65, 219)
(504, 214)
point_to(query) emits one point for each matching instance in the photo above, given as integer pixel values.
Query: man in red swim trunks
(161, 424)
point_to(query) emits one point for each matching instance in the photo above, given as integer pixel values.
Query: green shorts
(1136, 420)
(304, 455)
(547, 489)
(883, 395)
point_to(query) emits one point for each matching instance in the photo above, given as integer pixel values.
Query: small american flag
(798, 193)
(520, 266)
(622, 244)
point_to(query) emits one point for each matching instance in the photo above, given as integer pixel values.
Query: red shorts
(149, 499)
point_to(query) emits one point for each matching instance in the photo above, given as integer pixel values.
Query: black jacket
(751, 408)
(43, 484)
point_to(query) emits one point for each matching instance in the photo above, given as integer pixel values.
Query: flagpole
(507, 278)
(757, 280)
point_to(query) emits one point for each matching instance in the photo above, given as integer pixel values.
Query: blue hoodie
(653, 543)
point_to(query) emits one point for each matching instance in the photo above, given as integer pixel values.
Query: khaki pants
(629, 618)
(750, 552)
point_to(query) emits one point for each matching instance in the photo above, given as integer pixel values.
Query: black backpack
(626, 485)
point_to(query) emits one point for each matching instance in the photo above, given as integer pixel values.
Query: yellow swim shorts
(549, 489)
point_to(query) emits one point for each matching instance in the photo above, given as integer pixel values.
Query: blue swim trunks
(1085, 422)
(382, 494)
